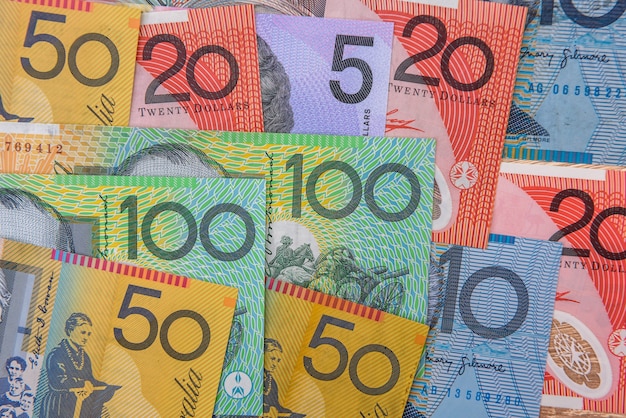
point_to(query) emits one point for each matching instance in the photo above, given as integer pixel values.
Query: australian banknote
(82, 336)
(206, 228)
(582, 208)
(349, 216)
(198, 69)
(67, 61)
(328, 76)
(487, 347)
(452, 75)
(569, 95)
(333, 357)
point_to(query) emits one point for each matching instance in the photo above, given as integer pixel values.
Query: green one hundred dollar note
(347, 216)
(205, 228)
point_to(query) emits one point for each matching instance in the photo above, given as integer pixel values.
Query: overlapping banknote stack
(321, 208)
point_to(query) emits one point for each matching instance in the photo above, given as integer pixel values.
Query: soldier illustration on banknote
(72, 389)
(337, 273)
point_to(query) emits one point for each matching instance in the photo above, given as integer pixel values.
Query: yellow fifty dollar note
(328, 357)
(67, 61)
(95, 338)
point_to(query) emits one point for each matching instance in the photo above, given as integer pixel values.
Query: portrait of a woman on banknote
(72, 389)
(271, 405)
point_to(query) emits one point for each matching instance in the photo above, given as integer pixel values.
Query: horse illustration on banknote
(337, 272)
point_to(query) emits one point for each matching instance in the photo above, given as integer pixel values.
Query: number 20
(440, 27)
(181, 58)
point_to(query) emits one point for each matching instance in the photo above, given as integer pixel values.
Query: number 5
(31, 39)
(340, 64)
(318, 340)
(127, 310)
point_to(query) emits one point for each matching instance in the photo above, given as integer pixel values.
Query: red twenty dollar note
(452, 76)
(198, 69)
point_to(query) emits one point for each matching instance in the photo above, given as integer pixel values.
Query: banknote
(487, 346)
(206, 228)
(452, 76)
(569, 93)
(349, 216)
(79, 337)
(67, 61)
(581, 207)
(335, 358)
(286, 7)
(330, 76)
(198, 69)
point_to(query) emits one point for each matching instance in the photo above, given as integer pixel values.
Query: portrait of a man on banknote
(26, 218)
(171, 160)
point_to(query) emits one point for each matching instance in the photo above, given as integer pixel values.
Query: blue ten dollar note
(486, 350)
(569, 102)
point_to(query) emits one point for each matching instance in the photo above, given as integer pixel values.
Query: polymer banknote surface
(348, 216)
(582, 207)
(198, 69)
(334, 357)
(67, 61)
(568, 103)
(452, 76)
(82, 335)
(211, 229)
(330, 75)
(487, 347)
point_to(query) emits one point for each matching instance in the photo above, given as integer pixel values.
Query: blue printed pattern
(486, 351)
(569, 99)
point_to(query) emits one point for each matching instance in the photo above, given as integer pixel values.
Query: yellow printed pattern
(73, 63)
(335, 358)
(134, 318)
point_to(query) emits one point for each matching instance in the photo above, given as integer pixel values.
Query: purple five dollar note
(328, 75)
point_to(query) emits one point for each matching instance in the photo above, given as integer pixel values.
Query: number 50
(32, 38)
(317, 340)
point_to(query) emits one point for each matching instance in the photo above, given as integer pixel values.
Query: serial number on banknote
(17, 146)
(566, 89)
(470, 395)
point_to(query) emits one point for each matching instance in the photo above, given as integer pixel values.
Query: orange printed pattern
(324, 299)
(468, 60)
(78, 5)
(67, 61)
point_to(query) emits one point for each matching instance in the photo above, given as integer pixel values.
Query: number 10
(455, 257)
